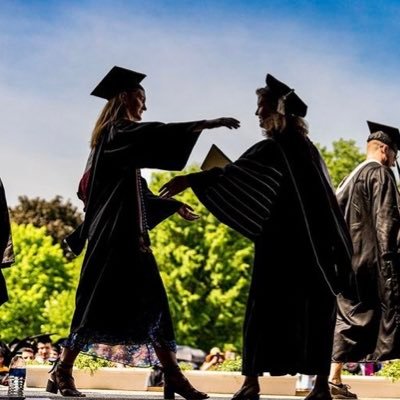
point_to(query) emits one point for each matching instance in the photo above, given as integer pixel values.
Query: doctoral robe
(121, 304)
(278, 195)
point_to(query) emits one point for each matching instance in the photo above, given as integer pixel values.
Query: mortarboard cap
(288, 101)
(4, 349)
(42, 338)
(116, 81)
(29, 341)
(385, 134)
(215, 158)
(16, 346)
(26, 342)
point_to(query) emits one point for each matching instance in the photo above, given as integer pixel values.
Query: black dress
(278, 194)
(121, 304)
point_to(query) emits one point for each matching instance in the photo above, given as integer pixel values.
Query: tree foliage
(342, 159)
(206, 270)
(58, 217)
(58, 309)
(39, 276)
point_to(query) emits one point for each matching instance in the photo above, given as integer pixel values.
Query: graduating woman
(121, 302)
(278, 194)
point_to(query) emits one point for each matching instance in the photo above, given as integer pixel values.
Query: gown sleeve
(152, 144)
(157, 208)
(243, 193)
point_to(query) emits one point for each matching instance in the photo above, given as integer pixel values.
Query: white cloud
(193, 73)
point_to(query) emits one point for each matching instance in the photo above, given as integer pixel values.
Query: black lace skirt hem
(119, 349)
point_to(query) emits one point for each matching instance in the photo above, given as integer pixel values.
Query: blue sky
(203, 59)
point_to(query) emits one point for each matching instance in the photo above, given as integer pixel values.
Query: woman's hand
(230, 123)
(187, 213)
(174, 186)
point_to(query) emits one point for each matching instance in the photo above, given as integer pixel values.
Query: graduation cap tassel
(281, 107)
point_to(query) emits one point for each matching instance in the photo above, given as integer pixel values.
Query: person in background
(121, 299)
(278, 194)
(368, 317)
(43, 349)
(213, 359)
(54, 353)
(6, 247)
(27, 353)
(3, 367)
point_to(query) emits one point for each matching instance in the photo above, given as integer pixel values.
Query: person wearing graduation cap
(43, 348)
(278, 194)
(368, 317)
(120, 298)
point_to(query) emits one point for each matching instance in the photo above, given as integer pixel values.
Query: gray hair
(280, 121)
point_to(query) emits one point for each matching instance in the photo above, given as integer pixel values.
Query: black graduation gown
(6, 248)
(368, 320)
(278, 195)
(120, 298)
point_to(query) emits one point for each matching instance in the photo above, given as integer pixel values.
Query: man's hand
(187, 213)
(174, 186)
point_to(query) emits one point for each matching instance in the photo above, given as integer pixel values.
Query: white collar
(355, 170)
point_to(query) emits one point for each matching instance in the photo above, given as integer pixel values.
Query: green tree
(206, 270)
(39, 275)
(342, 159)
(58, 217)
(58, 309)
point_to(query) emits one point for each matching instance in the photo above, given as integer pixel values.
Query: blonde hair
(114, 110)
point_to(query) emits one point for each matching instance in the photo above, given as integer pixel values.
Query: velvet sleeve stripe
(231, 217)
(259, 198)
(243, 196)
(239, 203)
(258, 167)
(261, 182)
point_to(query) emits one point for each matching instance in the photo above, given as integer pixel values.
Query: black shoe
(247, 392)
(61, 379)
(176, 382)
(341, 391)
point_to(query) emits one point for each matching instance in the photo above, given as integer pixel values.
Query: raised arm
(159, 145)
(230, 123)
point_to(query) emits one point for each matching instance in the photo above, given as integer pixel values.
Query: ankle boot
(61, 379)
(176, 382)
